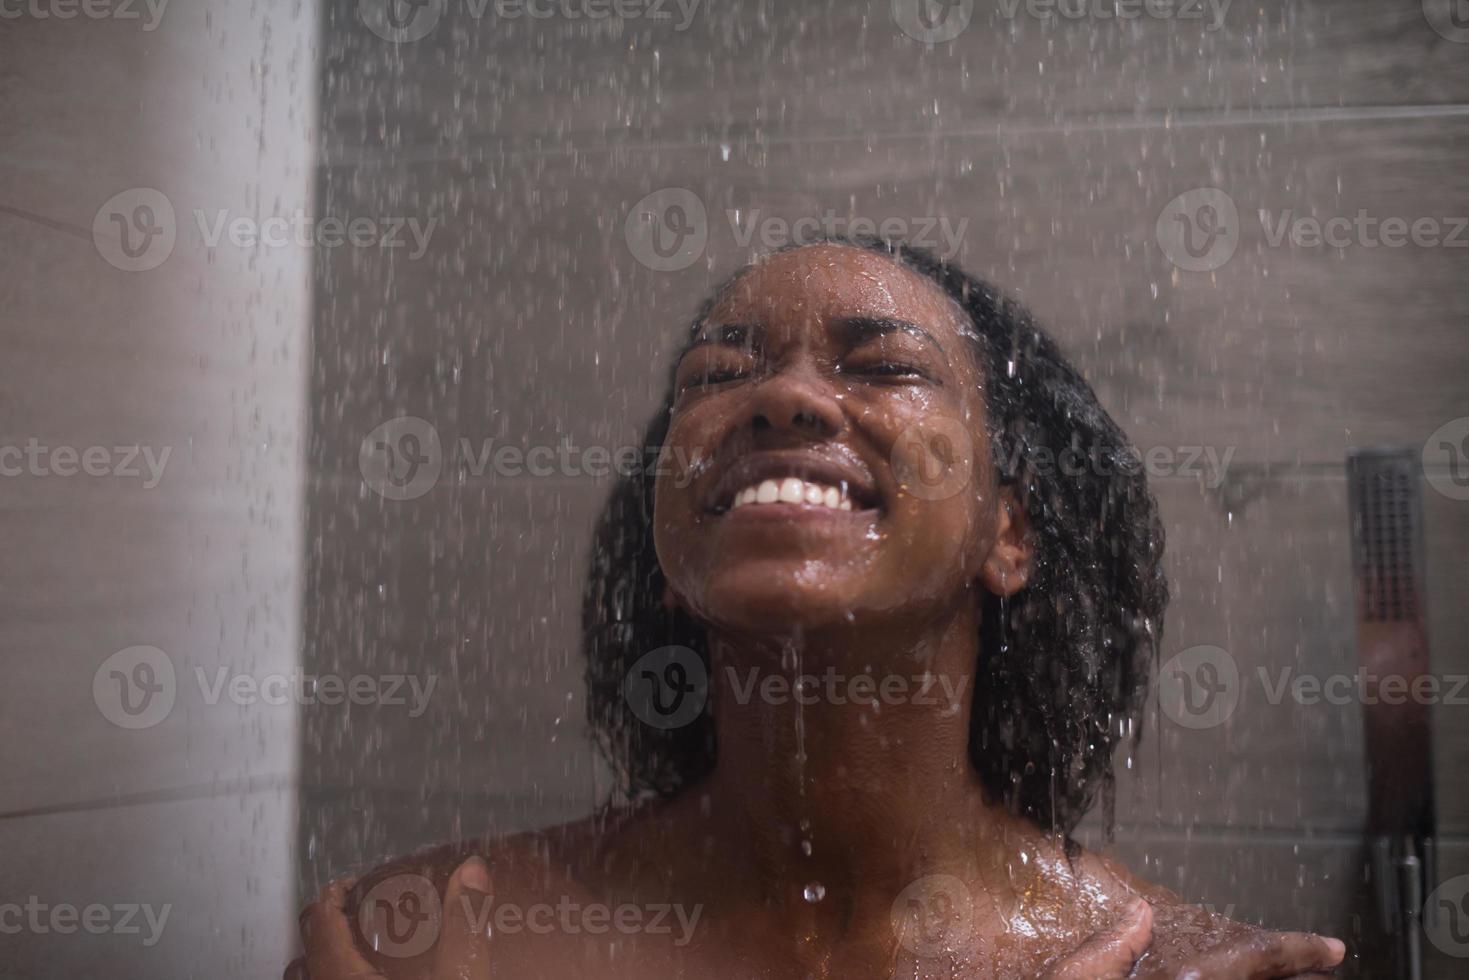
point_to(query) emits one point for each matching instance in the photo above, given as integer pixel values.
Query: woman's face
(826, 460)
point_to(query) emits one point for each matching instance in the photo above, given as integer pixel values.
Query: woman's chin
(776, 605)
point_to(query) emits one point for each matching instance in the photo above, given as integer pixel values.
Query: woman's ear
(1006, 568)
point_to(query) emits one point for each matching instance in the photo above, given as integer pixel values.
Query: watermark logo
(933, 21)
(667, 230)
(401, 916)
(934, 459)
(135, 688)
(1200, 687)
(1199, 229)
(90, 9)
(1446, 917)
(1446, 459)
(667, 688)
(135, 230)
(1450, 18)
(402, 458)
(932, 915)
(401, 21)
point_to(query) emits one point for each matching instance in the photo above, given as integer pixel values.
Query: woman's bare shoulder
(522, 861)
(394, 909)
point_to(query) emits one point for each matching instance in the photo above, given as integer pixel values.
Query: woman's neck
(843, 764)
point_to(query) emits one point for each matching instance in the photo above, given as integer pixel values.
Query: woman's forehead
(830, 282)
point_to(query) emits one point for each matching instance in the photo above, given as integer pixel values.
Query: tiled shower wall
(1051, 147)
(159, 397)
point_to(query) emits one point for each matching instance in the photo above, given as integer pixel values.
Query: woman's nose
(795, 401)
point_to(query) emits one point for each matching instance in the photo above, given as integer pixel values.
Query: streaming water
(428, 476)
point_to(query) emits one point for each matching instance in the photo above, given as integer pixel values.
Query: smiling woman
(845, 412)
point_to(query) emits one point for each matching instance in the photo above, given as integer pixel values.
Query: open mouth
(793, 490)
(783, 481)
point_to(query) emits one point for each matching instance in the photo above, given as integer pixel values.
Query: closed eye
(712, 378)
(888, 369)
(720, 376)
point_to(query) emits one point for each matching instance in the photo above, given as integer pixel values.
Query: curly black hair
(1063, 664)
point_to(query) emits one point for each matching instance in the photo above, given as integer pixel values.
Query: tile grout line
(339, 155)
(177, 794)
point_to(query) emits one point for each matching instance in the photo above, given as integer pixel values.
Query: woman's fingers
(331, 951)
(296, 970)
(1272, 956)
(1111, 953)
(464, 942)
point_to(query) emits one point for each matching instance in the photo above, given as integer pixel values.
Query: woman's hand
(1111, 953)
(461, 952)
(1115, 952)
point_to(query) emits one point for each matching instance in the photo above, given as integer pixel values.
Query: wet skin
(837, 836)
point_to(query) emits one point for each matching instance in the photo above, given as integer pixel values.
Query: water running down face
(833, 411)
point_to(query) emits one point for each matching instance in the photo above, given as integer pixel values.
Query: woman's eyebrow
(860, 329)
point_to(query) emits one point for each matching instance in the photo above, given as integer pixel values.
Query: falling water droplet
(814, 892)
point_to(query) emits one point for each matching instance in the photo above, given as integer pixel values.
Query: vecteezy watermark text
(403, 459)
(1207, 464)
(305, 231)
(137, 688)
(405, 21)
(941, 21)
(1202, 686)
(136, 230)
(1211, 12)
(936, 233)
(403, 915)
(571, 918)
(836, 688)
(152, 10)
(669, 687)
(1200, 230)
(38, 459)
(64, 918)
(669, 229)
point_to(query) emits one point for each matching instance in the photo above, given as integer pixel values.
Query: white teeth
(792, 490)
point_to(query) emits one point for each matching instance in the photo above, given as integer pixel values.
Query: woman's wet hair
(1063, 663)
